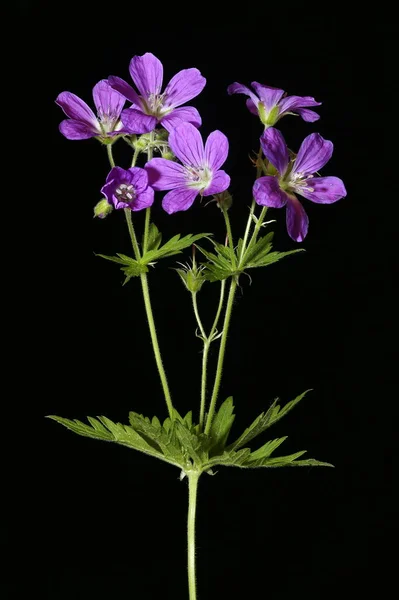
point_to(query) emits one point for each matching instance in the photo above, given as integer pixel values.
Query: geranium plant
(169, 154)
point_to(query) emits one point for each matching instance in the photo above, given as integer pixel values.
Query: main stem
(193, 477)
(222, 349)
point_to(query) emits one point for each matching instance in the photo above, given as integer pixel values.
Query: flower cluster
(188, 167)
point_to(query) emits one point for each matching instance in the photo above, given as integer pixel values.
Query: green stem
(155, 345)
(129, 220)
(135, 157)
(148, 210)
(193, 477)
(229, 234)
(222, 349)
(252, 209)
(205, 355)
(256, 231)
(110, 155)
(196, 312)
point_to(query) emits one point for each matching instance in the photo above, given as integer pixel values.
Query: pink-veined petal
(180, 198)
(275, 149)
(184, 86)
(186, 143)
(297, 219)
(147, 73)
(267, 192)
(165, 174)
(143, 199)
(326, 190)
(313, 154)
(216, 149)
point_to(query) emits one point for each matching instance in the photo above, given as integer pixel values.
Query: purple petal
(297, 219)
(109, 102)
(138, 177)
(179, 199)
(165, 174)
(76, 130)
(310, 116)
(136, 121)
(180, 115)
(147, 74)
(251, 107)
(216, 149)
(184, 86)
(124, 88)
(269, 96)
(75, 108)
(143, 200)
(186, 143)
(292, 103)
(108, 190)
(275, 149)
(239, 88)
(326, 190)
(313, 154)
(267, 192)
(219, 183)
(116, 174)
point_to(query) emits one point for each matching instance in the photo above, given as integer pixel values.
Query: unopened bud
(102, 209)
(142, 142)
(192, 277)
(224, 200)
(168, 154)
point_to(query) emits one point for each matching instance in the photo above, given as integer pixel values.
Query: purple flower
(269, 104)
(151, 106)
(83, 123)
(128, 188)
(199, 173)
(296, 175)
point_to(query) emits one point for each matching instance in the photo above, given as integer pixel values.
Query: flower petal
(136, 121)
(297, 219)
(178, 199)
(76, 130)
(275, 149)
(108, 190)
(109, 102)
(165, 174)
(326, 190)
(181, 115)
(143, 200)
(147, 73)
(216, 149)
(124, 88)
(313, 154)
(138, 177)
(186, 143)
(116, 173)
(239, 88)
(292, 103)
(184, 86)
(269, 96)
(75, 108)
(251, 107)
(267, 192)
(220, 182)
(310, 116)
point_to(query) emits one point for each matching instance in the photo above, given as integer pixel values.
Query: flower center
(154, 105)
(295, 182)
(125, 193)
(198, 178)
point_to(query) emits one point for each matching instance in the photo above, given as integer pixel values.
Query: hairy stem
(193, 477)
(110, 155)
(148, 210)
(129, 221)
(229, 234)
(222, 349)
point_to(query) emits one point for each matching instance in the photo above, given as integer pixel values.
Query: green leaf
(215, 273)
(173, 246)
(221, 425)
(156, 436)
(229, 459)
(269, 258)
(261, 248)
(131, 267)
(267, 449)
(265, 420)
(154, 237)
(285, 461)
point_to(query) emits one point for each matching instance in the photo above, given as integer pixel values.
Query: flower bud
(192, 277)
(161, 135)
(142, 142)
(167, 154)
(102, 209)
(224, 200)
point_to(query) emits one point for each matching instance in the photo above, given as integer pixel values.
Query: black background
(93, 520)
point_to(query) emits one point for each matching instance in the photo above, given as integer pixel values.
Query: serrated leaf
(188, 419)
(154, 237)
(215, 273)
(267, 449)
(83, 429)
(155, 435)
(189, 442)
(269, 258)
(286, 461)
(261, 248)
(265, 420)
(229, 459)
(173, 246)
(221, 425)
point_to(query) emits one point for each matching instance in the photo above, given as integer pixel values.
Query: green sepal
(265, 420)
